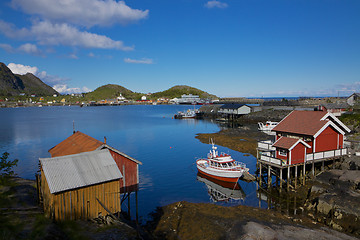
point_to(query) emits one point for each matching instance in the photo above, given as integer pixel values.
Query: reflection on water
(220, 191)
(167, 148)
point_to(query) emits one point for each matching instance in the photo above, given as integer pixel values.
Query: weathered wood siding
(129, 170)
(81, 203)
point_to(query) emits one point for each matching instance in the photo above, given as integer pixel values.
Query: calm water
(167, 148)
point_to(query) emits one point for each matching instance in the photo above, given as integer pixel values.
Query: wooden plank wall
(131, 174)
(81, 203)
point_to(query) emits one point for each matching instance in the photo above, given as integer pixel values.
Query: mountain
(177, 91)
(111, 91)
(14, 84)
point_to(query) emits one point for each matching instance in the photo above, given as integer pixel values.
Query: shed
(79, 142)
(235, 108)
(80, 186)
(353, 99)
(291, 150)
(335, 108)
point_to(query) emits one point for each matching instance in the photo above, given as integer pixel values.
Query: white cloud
(22, 69)
(82, 12)
(216, 4)
(6, 47)
(42, 75)
(139, 61)
(30, 49)
(47, 33)
(73, 56)
(64, 89)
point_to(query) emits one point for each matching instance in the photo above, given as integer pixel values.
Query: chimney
(104, 140)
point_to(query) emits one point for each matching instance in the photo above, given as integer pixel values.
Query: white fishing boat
(267, 126)
(190, 113)
(222, 167)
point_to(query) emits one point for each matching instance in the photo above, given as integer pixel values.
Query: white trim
(290, 157)
(325, 126)
(314, 145)
(329, 114)
(297, 142)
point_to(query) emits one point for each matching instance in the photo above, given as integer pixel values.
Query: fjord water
(167, 147)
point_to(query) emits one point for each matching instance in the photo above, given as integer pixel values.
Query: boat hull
(222, 175)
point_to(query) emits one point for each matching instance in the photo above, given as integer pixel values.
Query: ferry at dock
(221, 167)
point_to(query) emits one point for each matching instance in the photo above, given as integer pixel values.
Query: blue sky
(230, 48)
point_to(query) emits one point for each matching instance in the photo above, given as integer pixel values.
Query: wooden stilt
(129, 206)
(296, 176)
(260, 165)
(323, 166)
(136, 202)
(304, 173)
(281, 180)
(269, 176)
(313, 168)
(288, 178)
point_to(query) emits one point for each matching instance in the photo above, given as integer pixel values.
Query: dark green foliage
(177, 91)
(112, 91)
(6, 167)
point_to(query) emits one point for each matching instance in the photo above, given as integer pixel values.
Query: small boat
(190, 113)
(268, 126)
(221, 167)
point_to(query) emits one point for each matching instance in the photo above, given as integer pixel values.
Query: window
(282, 152)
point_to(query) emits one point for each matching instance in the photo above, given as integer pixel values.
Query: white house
(235, 108)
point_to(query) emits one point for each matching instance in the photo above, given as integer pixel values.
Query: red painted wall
(298, 154)
(277, 155)
(131, 173)
(327, 140)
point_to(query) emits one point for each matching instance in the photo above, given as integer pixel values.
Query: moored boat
(190, 113)
(268, 126)
(222, 167)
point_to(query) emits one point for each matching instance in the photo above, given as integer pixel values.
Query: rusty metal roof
(79, 170)
(76, 143)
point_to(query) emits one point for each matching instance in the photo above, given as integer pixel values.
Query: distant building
(353, 99)
(143, 98)
(235, 108)
(335, 108)
(189, 99)
(120, 98)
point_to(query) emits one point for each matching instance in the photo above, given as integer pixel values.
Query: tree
(6, 166)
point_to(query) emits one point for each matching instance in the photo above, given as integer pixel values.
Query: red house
(304, 136)
(79, 142)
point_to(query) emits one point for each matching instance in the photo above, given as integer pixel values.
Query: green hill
(111, 91)
(177, 91)
(14, 84)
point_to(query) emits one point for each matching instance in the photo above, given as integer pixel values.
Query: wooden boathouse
(303, 138)
(80, 143)
(80, 186)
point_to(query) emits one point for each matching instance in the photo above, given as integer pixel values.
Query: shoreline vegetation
(327, 207)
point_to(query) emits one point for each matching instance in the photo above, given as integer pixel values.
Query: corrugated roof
(76, 143)
(79, 170)
(302, 122)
